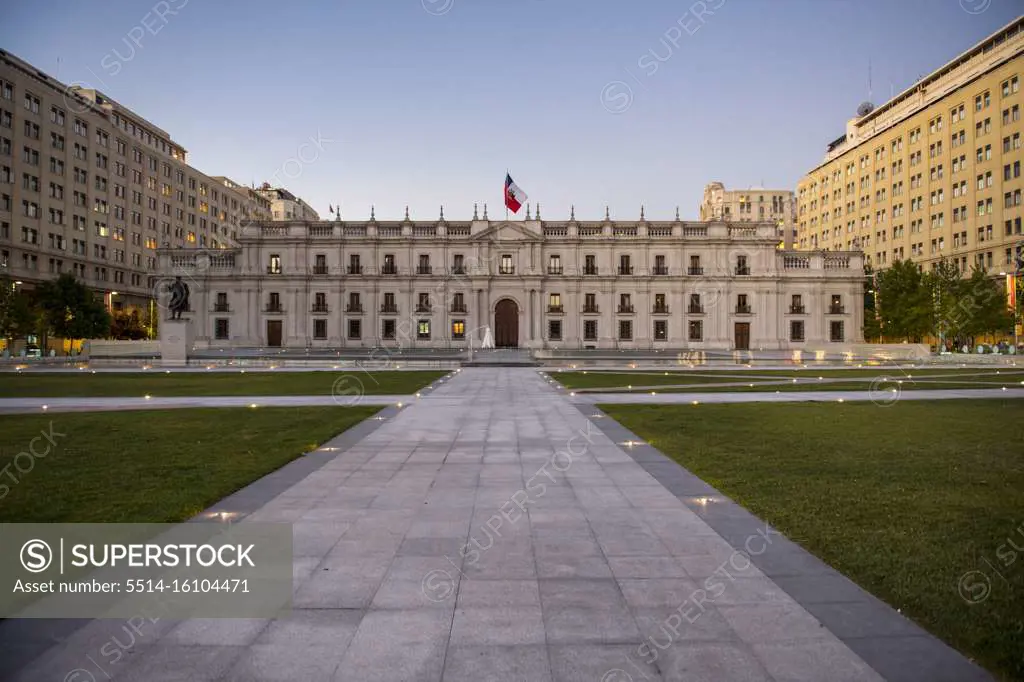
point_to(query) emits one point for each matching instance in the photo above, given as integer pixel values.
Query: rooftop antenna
(869, 80)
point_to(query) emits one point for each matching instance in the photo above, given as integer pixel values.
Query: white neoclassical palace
(535, 283)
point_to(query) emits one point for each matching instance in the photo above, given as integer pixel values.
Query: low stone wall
(832, 353)
(977, 359)
(103, 348)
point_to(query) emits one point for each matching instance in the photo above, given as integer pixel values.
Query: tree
(128, 325)
(948, 291)
(985, 298)
(18, 314)
(71, 310)
(904, 301)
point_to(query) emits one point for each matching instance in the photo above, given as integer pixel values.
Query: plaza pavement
(587, 561)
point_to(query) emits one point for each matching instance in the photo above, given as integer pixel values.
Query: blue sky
(427, 102)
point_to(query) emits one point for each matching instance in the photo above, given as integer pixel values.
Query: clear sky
(427, 102)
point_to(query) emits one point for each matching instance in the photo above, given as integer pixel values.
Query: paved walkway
(881, 396)
(104, 404)
(580, 566)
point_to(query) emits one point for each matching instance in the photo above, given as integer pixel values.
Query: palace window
(458, 329)
(660, 330)
(220, 329)
(319, 329)
(796, 330)
(625, 330)
(387, 329)
(355, 329)
(555, 330)
(696, 330)
(590, 330)
(423, 330)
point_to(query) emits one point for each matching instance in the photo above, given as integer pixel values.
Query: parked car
(33, 351)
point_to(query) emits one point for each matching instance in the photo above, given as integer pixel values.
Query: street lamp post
(1017, 267)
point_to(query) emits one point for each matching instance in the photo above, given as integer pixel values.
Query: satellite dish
(865, 108)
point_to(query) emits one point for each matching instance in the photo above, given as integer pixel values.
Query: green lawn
(152, 466)
(213, 383)
(912, 377)
(903, 499)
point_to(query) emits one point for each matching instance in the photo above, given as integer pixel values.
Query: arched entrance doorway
(506, 324)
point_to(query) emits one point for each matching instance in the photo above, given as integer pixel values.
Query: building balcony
(459, 309)
(355, 269)
(423, 308)
(354, 308)
(273, 308)
(591, 310)
(625, 269)
(423, 270)
(742, 270)
(388, 270)
(507, 270)
(626, 309)
(797, 310)
(836, 310)
(272, 270)
(320, 308)
(389, 309)
(695, 270)
(695, 309)
(458, 270)
(743, 310)
(660, 310)
(589, 271)
(221, 308)
(556, 309)
(662, 270)
(555, 270)
(319, 269)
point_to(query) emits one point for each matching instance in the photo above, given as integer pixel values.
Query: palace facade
(536, 284)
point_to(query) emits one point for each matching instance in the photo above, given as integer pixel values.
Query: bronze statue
(179, 298)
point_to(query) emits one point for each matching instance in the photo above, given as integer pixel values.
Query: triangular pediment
(506, 232)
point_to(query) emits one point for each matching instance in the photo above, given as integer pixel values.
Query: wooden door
(742, 336)
(506, 324)
(274, 333)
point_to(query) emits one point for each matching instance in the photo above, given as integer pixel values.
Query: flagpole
(505, 198)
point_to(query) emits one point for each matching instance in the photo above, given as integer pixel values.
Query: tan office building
(89, 187)
(744, 205)
(568, 284)
(934, 172)
(286, 206)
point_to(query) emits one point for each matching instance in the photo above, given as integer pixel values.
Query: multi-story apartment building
(552, 284)
(89, 187)
(286, 206)
(744, 205)
(934, 172)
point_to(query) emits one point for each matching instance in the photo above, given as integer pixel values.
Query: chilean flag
(514, 197)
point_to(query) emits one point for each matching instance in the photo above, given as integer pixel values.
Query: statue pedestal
(176, 339)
